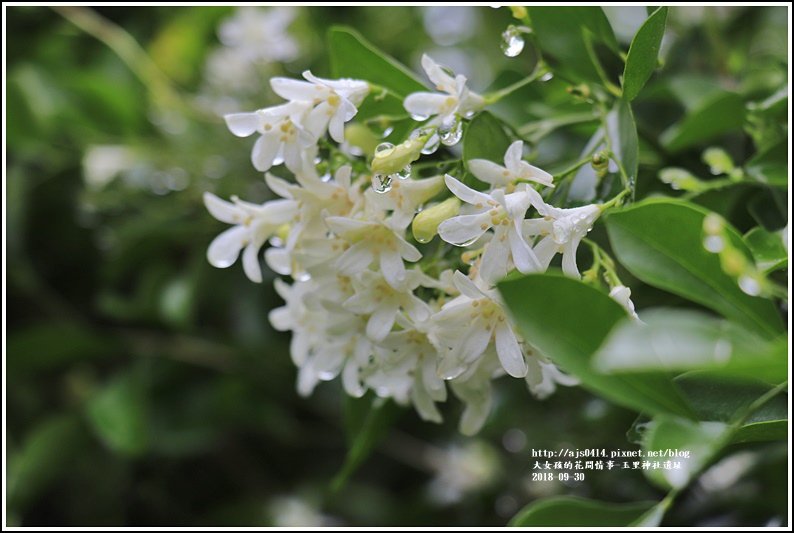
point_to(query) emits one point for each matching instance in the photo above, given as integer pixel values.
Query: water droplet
(469, 114)
(512, 41)
(432, 144)
(749, 285)
(714, 244)
(279, 159)
(423, 239)
(451, 133)
(404, 174)
(547, 77)
(326, 177)
(384, 149)
(387, 132)
(419, 118)
(381, 183)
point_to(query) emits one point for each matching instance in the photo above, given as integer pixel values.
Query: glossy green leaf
(643, 53)
(353, 57)
(770, 166)
(118, 414)
(676, 261)
(767, 248)
(367, 420)
(568, 511)
(485, 138)
(567, 321)
(690, 445)
(561, 34)
(720, 398)
(717, 115)
(682, 339)
(622, 132)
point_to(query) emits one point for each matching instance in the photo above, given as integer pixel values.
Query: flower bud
(393, 160)
(360, 136)
(425, 224)
(519, 12)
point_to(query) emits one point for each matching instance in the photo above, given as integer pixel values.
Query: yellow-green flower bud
(392, 159)
(360, 136)
(519, 12)
(425, 224)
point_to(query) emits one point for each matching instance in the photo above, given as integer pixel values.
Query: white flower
(254, 224)
(561, 230)
(373, 241)
(405, 197)
(282, 135)
(260, 35)
(382, 302)
(334, 101)
(622, 295)
(474, 389)
(515, 169)
(406, 368)
(453, 99)
(502, 212)
(466, 326)
(543, 377)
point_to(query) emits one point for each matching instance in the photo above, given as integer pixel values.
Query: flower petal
(466, 286)
(545, 251)
(351, 380)
(224, 249)
(392, 268)
(279, 260)
(467, 194)
(424, 104)
(523, 256)
(251, 265)
(279, 186)
(355, 259)
(495, 259)
(264, 152)
(442, 80)
(380, 323)
(424, 404)
(490, 172)
(513, 157)
(569, 257)
(336, 127)
(509, 352)
(536, 174)
(221, 209)
(291, 89)
(473, 345)
(243, 124)
(464, 229)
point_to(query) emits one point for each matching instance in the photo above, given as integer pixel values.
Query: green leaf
(366, 420)
(567, 321)
(569, 511)
(666, 436)
(715, 116)
(118, 414)
(719, 398)
(682, 339)
(660, 242)
(352, 56)
(770, 166)
(485, 138)
(52, 346)
(622, 133)
(45, 456)
(643, 53)
(560, 33)
(767, 248)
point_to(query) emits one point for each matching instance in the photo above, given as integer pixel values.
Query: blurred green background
(145, 387)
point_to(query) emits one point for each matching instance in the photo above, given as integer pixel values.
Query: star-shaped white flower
(468, 324)
(334, 101)
(515, 169)
(502, 212)
(282, 134)
(406, 368)
(453, 99)
(253, 225)
(405, 197)
(561, 231)
(373, 241)
(382, 302)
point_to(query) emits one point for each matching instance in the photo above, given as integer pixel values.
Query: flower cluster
(367, 302)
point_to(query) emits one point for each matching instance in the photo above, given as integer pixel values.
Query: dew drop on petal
(714, 244)
(381, 183)
(384, 149)
(404, 174)
(326, 177)
(419, 118)
(278, 160)
(512, 41)
(749, 285)
(432, 144)
(547, 77)
(451, 133)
